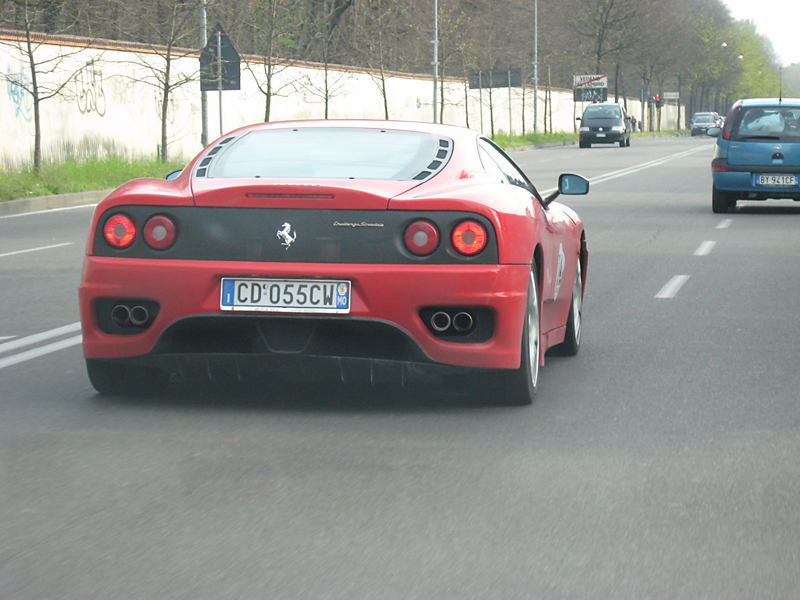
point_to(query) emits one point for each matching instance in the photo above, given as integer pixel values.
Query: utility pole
(535, 65)
(435, 57)
(219, 77)
(203, 96)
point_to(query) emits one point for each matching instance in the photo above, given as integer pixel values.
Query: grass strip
(70, 177)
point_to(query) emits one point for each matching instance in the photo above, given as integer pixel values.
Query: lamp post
(726, 100)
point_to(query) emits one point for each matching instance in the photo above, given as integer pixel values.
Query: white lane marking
(724, 224)
(40, 337)
(705, 248)
(36, 249)
(41, 351)
(647, 165)
(636, 168)
(7, 337)
(47, 210)
(673, 286)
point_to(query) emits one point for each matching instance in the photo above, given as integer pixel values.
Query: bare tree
(324, 17)
(48, 75)
(485, 49)
(609, 27)
(166, 24)
(270, 23)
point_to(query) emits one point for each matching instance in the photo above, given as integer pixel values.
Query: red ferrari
(367, 250)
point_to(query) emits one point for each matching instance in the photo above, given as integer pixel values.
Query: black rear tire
(110, 377)
(572, 336)
(518, 387)
(721, 202)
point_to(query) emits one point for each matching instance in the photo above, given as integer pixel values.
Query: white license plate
(601, 135)
(286, 295)
(777, 180)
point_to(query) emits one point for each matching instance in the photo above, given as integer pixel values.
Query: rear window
(602, 112)
(767, 122)
(329, 153)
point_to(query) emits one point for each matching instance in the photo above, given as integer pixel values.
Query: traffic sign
(590, 81)
(495, 78)
(590, 94)
(219, 63)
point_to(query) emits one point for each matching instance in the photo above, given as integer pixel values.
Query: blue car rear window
(767, 122)
(331, 153)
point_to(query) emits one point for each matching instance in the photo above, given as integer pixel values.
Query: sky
(776, 20)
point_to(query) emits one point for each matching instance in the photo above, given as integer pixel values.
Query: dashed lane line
(636, 168)
(672, 287)
(705, 248)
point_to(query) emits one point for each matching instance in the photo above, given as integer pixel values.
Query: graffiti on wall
(89, 89)
(21, 99)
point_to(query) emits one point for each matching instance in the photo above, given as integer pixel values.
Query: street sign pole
(219, 67)
(480, 96)
(510, 135)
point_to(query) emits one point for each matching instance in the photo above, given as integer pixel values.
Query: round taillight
(421, 238)
(119, 230)
(159, 232)
(469, 237)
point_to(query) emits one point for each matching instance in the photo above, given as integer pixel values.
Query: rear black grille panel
(298, 336)
(313, 235)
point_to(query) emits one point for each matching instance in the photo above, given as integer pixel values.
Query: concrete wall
(110, 102)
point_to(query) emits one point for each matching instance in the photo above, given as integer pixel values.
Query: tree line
(693, 47)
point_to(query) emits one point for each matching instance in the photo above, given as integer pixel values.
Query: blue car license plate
(286, 295)
(776, 180)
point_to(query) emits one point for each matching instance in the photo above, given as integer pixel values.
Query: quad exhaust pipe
(139, 315)
(463, 322)
(460, 322)
(441, 321)
(124, 315)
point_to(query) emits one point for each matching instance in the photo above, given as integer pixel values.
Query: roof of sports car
(333, 149)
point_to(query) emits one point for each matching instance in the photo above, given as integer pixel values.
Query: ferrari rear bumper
(386, 322)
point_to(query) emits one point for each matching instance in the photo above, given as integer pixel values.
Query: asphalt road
(661, 462)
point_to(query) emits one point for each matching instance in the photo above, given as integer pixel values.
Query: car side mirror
(569, 185)
(174, 175)
(714, 131)
(572, 185)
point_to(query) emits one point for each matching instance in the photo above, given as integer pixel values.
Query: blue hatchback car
(758, 152)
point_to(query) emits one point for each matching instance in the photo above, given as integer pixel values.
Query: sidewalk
(26, 205)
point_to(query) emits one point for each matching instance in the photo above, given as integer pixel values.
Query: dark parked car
(758, 153)
(605, 123)
(701, 122)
